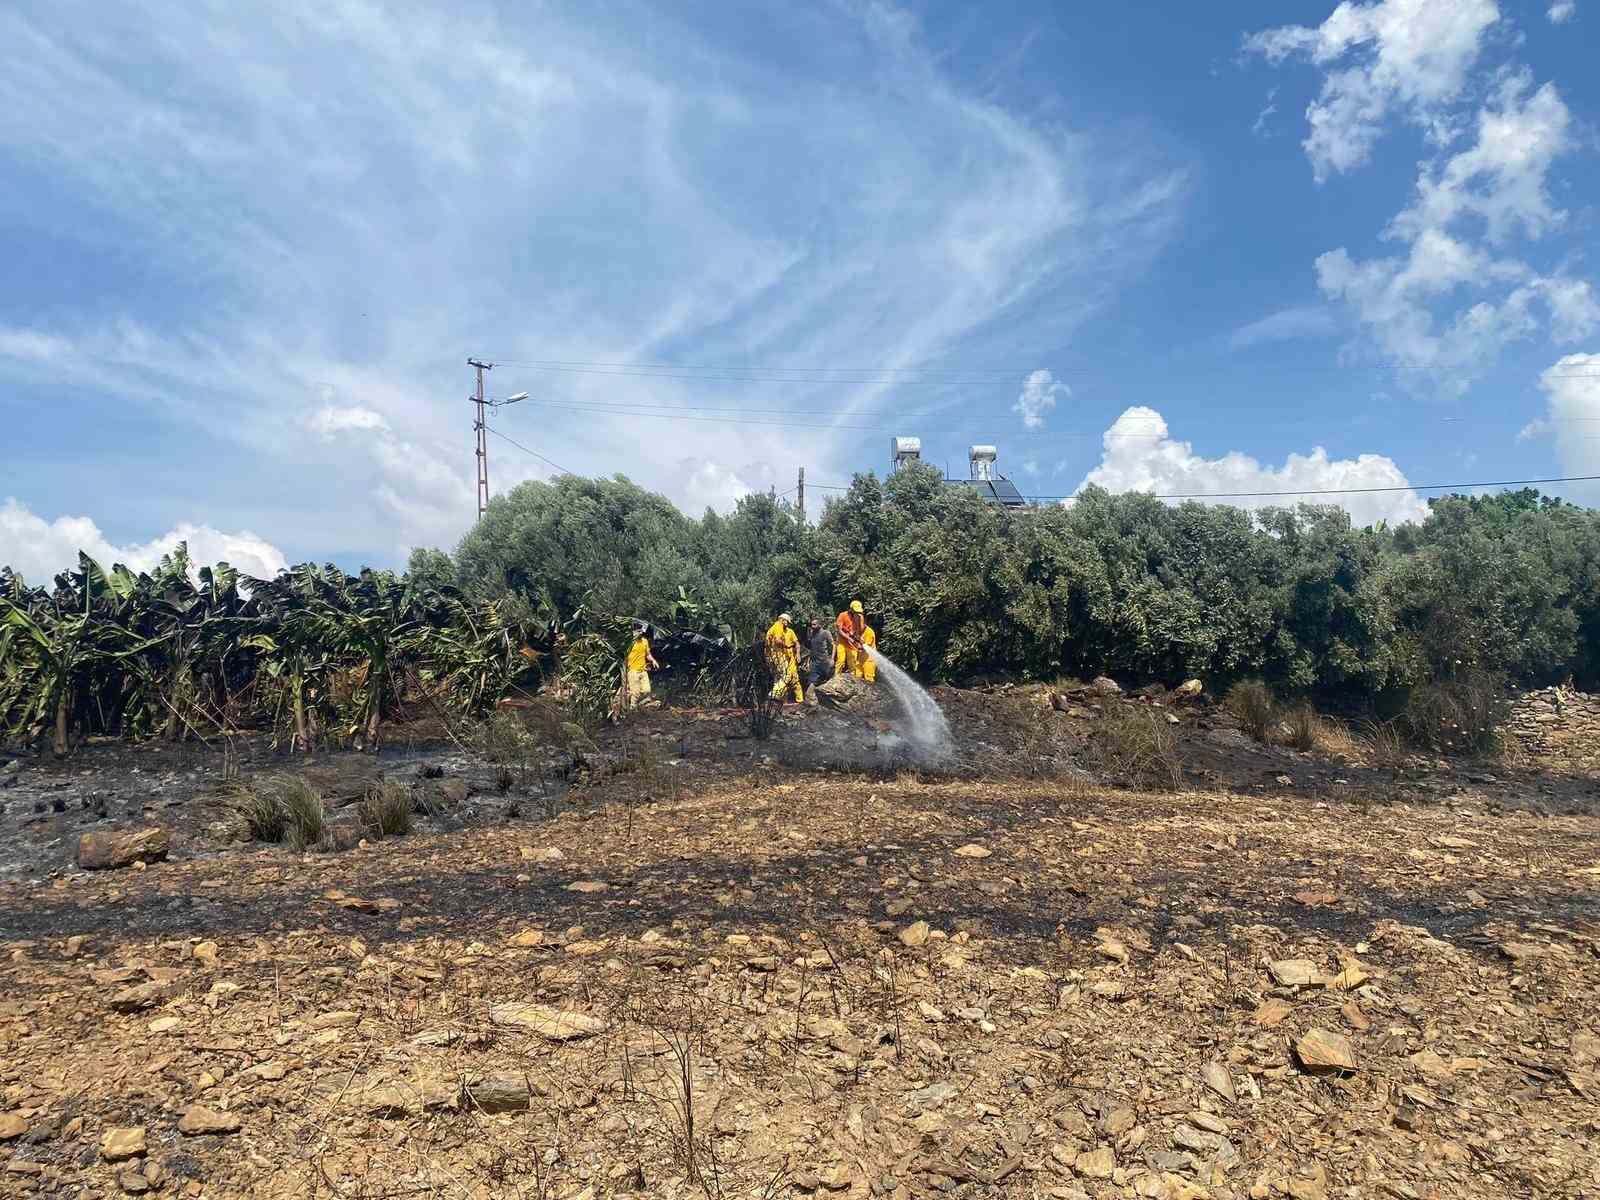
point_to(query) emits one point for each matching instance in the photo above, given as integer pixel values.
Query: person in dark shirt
(819, 641)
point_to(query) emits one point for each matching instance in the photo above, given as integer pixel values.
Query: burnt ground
(767, 968)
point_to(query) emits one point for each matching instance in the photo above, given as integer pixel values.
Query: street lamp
(481, 428)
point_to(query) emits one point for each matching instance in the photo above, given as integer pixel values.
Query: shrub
(591, 675)
(1254, 706)
(1458, 716)
(263, 815)
(1385, 747)
(1140, 747)
(283, 808)
(505, 738)
(307, 819)
(1302, 722)
(386, 809)
(1333, 737)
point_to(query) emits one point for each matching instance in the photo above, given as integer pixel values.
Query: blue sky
(1181, 248)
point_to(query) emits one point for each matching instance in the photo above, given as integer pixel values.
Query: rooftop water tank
(903, 450)
(983, 459)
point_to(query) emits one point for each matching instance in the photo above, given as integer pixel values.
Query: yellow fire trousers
(786, 678)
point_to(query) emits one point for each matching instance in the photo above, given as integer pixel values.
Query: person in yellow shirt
(783, 655)
(869, 665)
(636, 669)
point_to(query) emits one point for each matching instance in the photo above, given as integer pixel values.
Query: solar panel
(995, 491)
(1006, 493)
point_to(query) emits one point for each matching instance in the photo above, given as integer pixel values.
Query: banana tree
(289, 654)
(201, 625)
(364, 625)
(468, 655)
(63, 648)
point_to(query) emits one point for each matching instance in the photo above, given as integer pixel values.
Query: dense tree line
(1118, 584)
(1496, 588)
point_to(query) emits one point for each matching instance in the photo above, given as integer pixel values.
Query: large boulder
(844, 691)
(112, 849)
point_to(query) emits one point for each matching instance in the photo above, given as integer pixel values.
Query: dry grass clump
(1302, 722)
(283, 808)
(263, 816)
(1333, 737)
(1385, 746)
(1140, 747)
(386, 811)
(1255, 707)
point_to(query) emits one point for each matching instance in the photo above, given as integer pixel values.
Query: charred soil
(668, 958)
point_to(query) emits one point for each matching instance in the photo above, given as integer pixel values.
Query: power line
(535, 453)
(667, 413)
(651, 409)
(1409, 487)
(942, 376)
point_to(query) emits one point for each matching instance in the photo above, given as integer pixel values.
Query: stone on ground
(1320, 1050)
(122, 1143)
(553, 1024)
(198, 1121)
(110, 850)
(915, 934)
(1296, 972)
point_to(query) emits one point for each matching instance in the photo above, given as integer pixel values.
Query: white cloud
(354, 192)
(38, 549)
(1563, 11)
(711, 485)
(331, 420)
(1288, 324)
(1500, 179)
(1140, 455)
(1030, 466)
(1039, 394)
(1267, 110)
(29, 345)
(1572, 419)
(1410, 56)
(1574, 309)
(1418, 306)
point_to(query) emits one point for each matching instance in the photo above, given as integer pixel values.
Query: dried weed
(386, 810)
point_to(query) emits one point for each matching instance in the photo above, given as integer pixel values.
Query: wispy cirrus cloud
(339, 206)
(1299, 322)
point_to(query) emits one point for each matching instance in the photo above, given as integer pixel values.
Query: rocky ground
(677, 960)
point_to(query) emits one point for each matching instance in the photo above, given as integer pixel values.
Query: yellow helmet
(855, 606)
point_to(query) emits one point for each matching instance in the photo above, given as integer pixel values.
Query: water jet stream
(927, 732)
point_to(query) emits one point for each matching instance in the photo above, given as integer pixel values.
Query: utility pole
(802, 491)
(482, 427)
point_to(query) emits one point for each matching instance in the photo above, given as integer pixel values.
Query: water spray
(927, 732)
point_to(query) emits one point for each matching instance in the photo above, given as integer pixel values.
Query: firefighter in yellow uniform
(848, 655)
(869, 664)
(783, 655)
